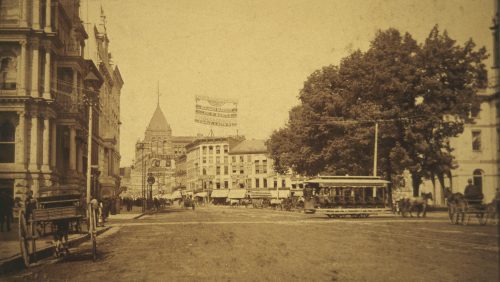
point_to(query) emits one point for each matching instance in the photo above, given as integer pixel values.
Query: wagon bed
(52, 214)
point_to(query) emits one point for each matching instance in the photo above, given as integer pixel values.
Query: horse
(419, 203)
(456, 205)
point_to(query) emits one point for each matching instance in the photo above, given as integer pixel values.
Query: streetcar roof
(348, 181)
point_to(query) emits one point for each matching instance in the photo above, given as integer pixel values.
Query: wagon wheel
(24, 238)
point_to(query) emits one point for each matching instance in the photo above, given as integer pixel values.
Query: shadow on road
(173, 210)
(85, 256)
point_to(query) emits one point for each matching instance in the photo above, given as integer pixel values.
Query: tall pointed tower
(158, 128)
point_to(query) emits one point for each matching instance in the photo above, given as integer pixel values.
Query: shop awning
(201, 194)
(280, 194)
(298, 193)
(237, 193)
(351, 182)
(176, 195)
(219, 193)
(259, 194)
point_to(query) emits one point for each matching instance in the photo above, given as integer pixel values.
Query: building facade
(207, 164)
(251, 168)
(214, 163)
(108, 129)
(46, 86)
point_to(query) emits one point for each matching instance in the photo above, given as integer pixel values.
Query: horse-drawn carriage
(59, 216)
(462, 209)
(461, 213)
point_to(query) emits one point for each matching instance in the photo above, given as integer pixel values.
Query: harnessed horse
(419, 203)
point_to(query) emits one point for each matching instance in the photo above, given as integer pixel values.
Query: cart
(461, 211)
(58, 216)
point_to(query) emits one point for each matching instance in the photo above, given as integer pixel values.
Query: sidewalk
(10, 247)
(135, 213)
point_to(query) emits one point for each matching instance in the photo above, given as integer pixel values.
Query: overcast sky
(259, 52)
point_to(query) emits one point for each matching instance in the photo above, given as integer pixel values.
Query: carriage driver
(472, 192)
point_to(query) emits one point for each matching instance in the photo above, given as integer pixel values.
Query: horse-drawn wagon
(62, 215)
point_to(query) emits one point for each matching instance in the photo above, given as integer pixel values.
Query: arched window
(7, 141)
(478, 179)
(8, 71)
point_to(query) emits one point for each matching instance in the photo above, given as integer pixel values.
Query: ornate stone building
(108, 109)
(46, 81)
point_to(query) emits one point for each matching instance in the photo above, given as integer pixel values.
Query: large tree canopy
(419, 94)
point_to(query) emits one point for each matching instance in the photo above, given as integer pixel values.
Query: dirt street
(239, 244)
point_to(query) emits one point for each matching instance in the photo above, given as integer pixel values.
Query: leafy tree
(420, 95)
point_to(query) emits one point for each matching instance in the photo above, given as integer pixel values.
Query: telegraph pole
(375, 150)
(89, 154)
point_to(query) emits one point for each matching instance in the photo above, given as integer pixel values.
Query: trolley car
(341, 196)
(58, 216)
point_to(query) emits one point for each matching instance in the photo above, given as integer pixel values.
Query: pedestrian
(472, 192)
(100, 214)
(156, 203)
(94, 206)
(29, 204)
(6, 205)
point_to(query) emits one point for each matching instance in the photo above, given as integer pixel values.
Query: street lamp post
(140, 145)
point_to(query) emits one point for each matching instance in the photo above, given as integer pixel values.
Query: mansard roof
(249, 147)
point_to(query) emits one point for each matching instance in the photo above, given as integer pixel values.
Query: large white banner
(216, 111)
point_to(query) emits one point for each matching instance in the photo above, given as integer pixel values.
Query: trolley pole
(375, 153)
(89, 154)
(375, 150)
(143, 179)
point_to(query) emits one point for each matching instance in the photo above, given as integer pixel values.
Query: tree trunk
(441, 183)
(416, 181)
(448, 173)
(433, 180)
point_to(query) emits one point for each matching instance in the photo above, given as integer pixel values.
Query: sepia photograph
(249, 140)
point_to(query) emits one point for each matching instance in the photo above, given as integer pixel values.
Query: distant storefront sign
(216, 111)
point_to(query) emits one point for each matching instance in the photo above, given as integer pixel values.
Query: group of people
(155, 203)
(473, 192)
